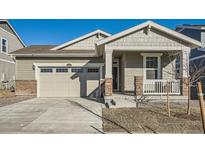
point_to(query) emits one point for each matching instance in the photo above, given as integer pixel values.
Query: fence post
(201, 103)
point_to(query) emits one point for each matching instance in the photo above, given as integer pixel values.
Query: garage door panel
(67, 84)
(61, 84)
(46, 88)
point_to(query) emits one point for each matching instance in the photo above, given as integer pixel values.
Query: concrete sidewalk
(52, 115)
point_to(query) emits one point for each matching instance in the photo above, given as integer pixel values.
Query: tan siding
(6, 27)
(133, 67)
(140, 38)
(86, 44)
(24, 69)
(168, 67)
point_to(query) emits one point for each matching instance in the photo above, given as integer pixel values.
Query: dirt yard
(6, 93)
(152, 118)
(14, 99)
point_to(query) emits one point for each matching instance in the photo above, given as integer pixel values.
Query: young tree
(196, 73)
(195, 70)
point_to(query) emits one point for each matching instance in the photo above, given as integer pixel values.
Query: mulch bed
(152, 119)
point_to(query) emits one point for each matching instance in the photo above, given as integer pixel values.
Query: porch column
(184, 70)
(108, 72)
(138, 85)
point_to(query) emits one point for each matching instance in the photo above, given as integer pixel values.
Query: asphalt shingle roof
(45, 49)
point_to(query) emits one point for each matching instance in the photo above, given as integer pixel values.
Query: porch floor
(122, 100)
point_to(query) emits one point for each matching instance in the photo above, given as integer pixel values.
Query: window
(93, 70)
(152, 68)
(61, 70)
(152, 65)
(77, 70)
(46, 70)
(4, 45)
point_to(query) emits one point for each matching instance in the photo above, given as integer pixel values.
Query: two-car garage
(68, 81)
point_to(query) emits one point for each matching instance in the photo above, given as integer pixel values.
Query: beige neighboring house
(137, 61)
(9, 42)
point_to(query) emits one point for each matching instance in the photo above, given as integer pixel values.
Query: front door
(115, 74)
(115, 78)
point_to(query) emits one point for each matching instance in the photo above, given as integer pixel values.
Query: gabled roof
(81, 38)
(44, 51)
(6, 21)
(32, 49)
(154, 25)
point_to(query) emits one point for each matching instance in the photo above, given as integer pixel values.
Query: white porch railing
(159, 87)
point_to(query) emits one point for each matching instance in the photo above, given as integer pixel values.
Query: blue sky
(54, 31)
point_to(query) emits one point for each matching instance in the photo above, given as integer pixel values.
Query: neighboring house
(135, 61)
(197, 55)
(9, 42)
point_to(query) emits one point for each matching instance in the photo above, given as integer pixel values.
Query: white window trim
(6, 46)
(158, 55)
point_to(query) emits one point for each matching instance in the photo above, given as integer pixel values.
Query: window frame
(62, 68)
(3, 38)
(45, 69)
(145, 55)
(77, 68)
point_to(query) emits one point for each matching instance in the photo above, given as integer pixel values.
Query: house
(137, 61)
(197, 55)
(9, 42)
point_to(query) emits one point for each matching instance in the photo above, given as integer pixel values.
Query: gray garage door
(68, 82)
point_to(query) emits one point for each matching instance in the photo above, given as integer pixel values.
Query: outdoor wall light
(69, 65)
(33, 67)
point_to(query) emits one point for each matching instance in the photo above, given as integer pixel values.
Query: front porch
(139, 74)
(147, 55)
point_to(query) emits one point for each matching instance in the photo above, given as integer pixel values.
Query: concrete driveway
(52, 115)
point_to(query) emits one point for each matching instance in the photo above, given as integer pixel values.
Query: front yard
(152, 118)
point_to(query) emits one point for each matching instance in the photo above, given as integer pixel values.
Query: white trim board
(65, 64)
(80, 38)
(154, 25)
(145, 55)
(7, 61)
